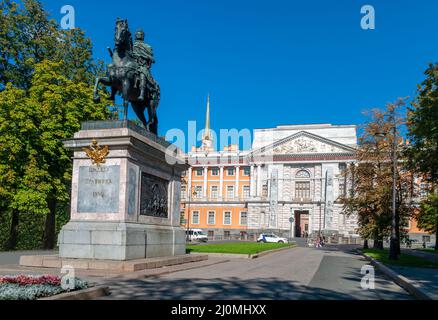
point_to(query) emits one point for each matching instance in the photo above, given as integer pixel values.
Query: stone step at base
(54, 261)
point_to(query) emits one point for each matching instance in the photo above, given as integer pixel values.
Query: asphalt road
(299, 273)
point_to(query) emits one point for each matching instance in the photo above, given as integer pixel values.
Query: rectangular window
(246, 171)
(211, 217)
(342, 167)
(183, 192)
(342, 190)
(227, 234)
(245, 192)
(426, 238)
(230, 192)
(302, 189)
(424, 190)
(195, 217)
(199, 172)
(210, 234)
(265, 190)
(198, 192)
(215, 171)
(230, 172)
(214, 192)
(227, 218)
(243, 218)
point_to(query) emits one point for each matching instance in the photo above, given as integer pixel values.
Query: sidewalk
(421, 282)
(424, 278)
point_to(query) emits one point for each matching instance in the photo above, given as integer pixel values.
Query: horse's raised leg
(112, 97)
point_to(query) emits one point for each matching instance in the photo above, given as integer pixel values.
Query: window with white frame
(183, 192)
(227, 218)
(230, 172)
(302, 189)
(214, 192)
(211, 218)
(198, 192)
(424, 190)
(246, 171)
(243, 218)
(195, 217)
(199, 172)
(215, 172)
(265, 190)
(342, 189)
(230, 192)
(245, 192)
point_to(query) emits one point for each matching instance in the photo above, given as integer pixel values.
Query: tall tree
(423, 133)
(46, 75)
(372, 180)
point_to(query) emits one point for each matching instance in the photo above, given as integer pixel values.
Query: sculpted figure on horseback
(130, 75)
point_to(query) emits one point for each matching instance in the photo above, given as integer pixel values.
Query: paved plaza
(299, 273)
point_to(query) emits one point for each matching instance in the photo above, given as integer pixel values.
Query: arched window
(303, 174)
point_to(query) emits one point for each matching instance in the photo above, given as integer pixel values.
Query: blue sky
(269, 63)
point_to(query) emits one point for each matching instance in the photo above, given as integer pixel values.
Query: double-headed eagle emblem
(96, 153)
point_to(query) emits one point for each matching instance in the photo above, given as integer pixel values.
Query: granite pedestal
(128, 207)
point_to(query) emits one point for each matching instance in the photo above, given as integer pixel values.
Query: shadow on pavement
(218, 289)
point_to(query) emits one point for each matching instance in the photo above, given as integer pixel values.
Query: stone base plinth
(119, 241)
(54, 261)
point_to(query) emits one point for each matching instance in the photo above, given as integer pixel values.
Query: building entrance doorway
(301, 223)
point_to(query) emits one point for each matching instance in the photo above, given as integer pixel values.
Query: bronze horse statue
(123, 78)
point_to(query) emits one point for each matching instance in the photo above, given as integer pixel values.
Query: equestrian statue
(130, 75)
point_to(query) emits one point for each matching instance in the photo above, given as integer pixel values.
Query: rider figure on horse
(144, 56)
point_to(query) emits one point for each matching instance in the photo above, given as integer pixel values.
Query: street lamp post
(393, 252)
(189, 189)
(393, 243)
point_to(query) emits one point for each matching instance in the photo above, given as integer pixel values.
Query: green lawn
(237, 247)
(404, 260)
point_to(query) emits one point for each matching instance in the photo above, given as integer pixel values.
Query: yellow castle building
(287, 183)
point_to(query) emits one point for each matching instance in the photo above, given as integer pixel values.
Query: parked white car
(272, 238)
(196, 235)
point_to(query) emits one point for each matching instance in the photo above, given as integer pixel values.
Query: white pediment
(305, 143)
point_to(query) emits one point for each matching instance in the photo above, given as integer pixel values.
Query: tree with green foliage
(46, 80)
(428, 215)
(423, 149)
(372, 180)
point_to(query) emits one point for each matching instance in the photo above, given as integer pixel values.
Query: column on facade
(205, 182)
(221, 182)
(237, 172)
(259, 180)
(189, 183)
(252, 182)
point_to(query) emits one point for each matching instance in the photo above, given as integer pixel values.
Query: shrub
(27, 287)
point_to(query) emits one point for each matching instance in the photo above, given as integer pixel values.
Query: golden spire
(207, 135)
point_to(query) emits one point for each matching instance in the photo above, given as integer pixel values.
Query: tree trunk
(365, 244)
(50, 226)
(11, 243)
(378, 243)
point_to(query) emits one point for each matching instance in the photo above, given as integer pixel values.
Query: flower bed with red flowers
(28, 287)
(26, 280)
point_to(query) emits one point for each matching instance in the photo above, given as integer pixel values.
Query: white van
(196, 235)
